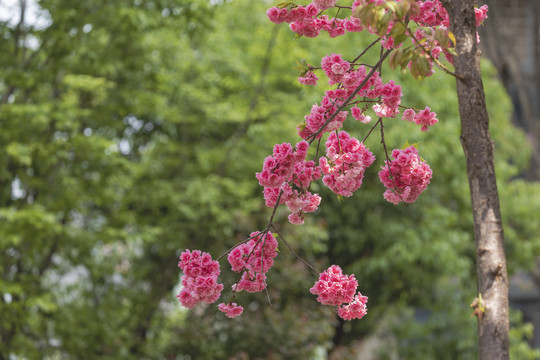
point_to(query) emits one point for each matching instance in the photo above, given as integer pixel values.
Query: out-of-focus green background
(131, 130)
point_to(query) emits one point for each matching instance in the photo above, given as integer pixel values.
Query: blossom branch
(313, 136)
(428, 53)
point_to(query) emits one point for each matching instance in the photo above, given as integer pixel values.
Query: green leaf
(452, 37)
(286, 4)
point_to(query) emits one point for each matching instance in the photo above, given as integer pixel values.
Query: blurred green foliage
(131, 130)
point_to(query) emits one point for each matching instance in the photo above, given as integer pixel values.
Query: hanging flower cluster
(405, 177)
(199, 282)
(335, 289)
(287, 173)
(253, 259)
(345, 162)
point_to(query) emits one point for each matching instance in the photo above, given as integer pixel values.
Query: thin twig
(317, 152)
(235, 246)
(389, 161)
(271, 221)
(372, 128)
(268, 296)
(294, 252)
(365, 50)
(244, 269)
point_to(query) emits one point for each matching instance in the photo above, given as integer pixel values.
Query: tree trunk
(493, 324)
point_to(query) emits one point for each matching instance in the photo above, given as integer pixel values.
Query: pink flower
(296, 219)
(319, 116)
(231, 309)
(391, 99)
(200, 279)
(277, 15)
(305, 28)
(251, 284)
(254, 259)
(311, 202)
(425, 118)
(308, 79)
(333, 287)
(301, 150)
(481, 14)
(405, 177)
(431, 13)
(353, 25)
(324, 4)
(358, 115)
(301, 203)
(344, 164)
(356, 309)
(237, 258)
(335, 67)
(334, 27)
(409, 115)
(353, 78)
(287, 172)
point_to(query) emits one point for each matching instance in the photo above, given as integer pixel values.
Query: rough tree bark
(493, 324)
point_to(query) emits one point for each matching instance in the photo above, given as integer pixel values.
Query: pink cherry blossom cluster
(231, 309)
(481, 14)
(278, 168)
(324, 4)
(287, 172)
(309, 78)
(343, 73)
(340, 71)
(425, 118)
(335, 68)
(431, 13)
(254, 258)
(356, 309)
(318, 117)
(345, 162)
(336, 289)
(304, 21)
(405, 177)
(359, 115)
(200, 279)
(391, 99)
